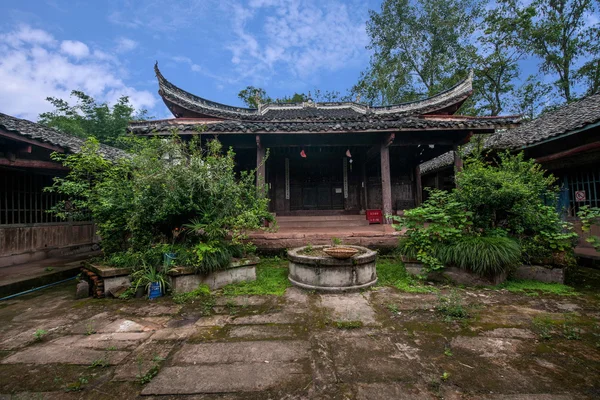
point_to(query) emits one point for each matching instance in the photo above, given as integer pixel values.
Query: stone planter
(328, 274)
(455, 275)
(186, 280)
(539, 273)
(111, 281)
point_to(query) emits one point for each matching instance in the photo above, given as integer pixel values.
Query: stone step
(322, 224)
(355, 217)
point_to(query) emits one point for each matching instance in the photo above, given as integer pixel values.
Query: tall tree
(420, 45)
(88, 118)
(495, 63)
(556, 31)
(253, 96)
(531, 98)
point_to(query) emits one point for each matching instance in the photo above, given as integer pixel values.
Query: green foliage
(484, 255)
(336, 241)
(543, 326)
(77, 385)
(419, 49)
(87, 118)
(557, 32)
(148, 376)
(440, 219)
(271, 279)
(348, 324)
(149, 274)
(100, 362)
(528, 287)
(253, 96)
(142, 204)
(590, 216)
(201, 293)
(391, 272)
(496, 208)
(39, 334)
(451, 306)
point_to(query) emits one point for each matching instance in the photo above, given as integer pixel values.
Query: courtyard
(519, 341)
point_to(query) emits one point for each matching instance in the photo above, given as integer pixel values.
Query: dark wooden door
(313, 185)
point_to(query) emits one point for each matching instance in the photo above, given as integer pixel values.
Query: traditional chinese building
(566, 142)
(28, 232)
(330, 158)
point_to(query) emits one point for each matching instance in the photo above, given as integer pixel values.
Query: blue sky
(210, 48)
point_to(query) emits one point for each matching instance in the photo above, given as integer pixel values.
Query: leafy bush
(590, 216)
(441, 219)
(484, 255)
(142, 204)
(496, 208)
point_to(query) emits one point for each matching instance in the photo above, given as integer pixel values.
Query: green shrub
(169, 196)
(483, 255)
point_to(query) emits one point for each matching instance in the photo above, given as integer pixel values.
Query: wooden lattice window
(23, 200)
(584, 188)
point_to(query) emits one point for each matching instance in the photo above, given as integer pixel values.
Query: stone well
(325, 273)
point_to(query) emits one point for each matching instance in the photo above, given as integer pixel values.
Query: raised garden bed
(105, 280)
(539, 273)
(186, 279)
(311, 268)
(454, 275)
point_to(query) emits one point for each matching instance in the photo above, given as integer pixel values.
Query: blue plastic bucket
(154, 291)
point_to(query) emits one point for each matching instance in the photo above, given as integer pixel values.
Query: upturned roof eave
(449, 100)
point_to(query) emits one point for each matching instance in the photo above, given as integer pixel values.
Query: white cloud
(33, 68)
(125, 45)
(302, 36)
(74, 48)
(25, 34)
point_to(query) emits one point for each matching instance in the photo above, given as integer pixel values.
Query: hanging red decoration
(302, 154)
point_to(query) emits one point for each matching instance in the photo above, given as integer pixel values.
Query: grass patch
(391, 272)
(271, 278)
(348, 324)
(535, 287)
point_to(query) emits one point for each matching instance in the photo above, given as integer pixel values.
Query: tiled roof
(449, 99)
(565, 120)
(44, 134)
(190, 125)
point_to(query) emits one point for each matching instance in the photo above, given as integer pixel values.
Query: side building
(565, 141)
(27, 231)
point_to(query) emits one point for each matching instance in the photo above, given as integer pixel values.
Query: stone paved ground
(267, 347)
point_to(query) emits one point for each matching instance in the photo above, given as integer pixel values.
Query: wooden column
(364, 180)
(260, 165)
(386, 184)
(418, 187)
(458, 162)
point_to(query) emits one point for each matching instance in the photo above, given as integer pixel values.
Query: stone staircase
(321, 221)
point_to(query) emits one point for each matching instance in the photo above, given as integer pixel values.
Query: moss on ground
(271, 278)
(535, 288)
(391, 272)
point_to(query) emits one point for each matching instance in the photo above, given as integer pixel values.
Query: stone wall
(26, 243)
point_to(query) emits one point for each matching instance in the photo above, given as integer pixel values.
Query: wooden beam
(376, 149)
(20, 163)
(23, 139)
(570, 152)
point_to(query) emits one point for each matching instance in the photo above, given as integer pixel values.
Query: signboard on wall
(580, 195)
